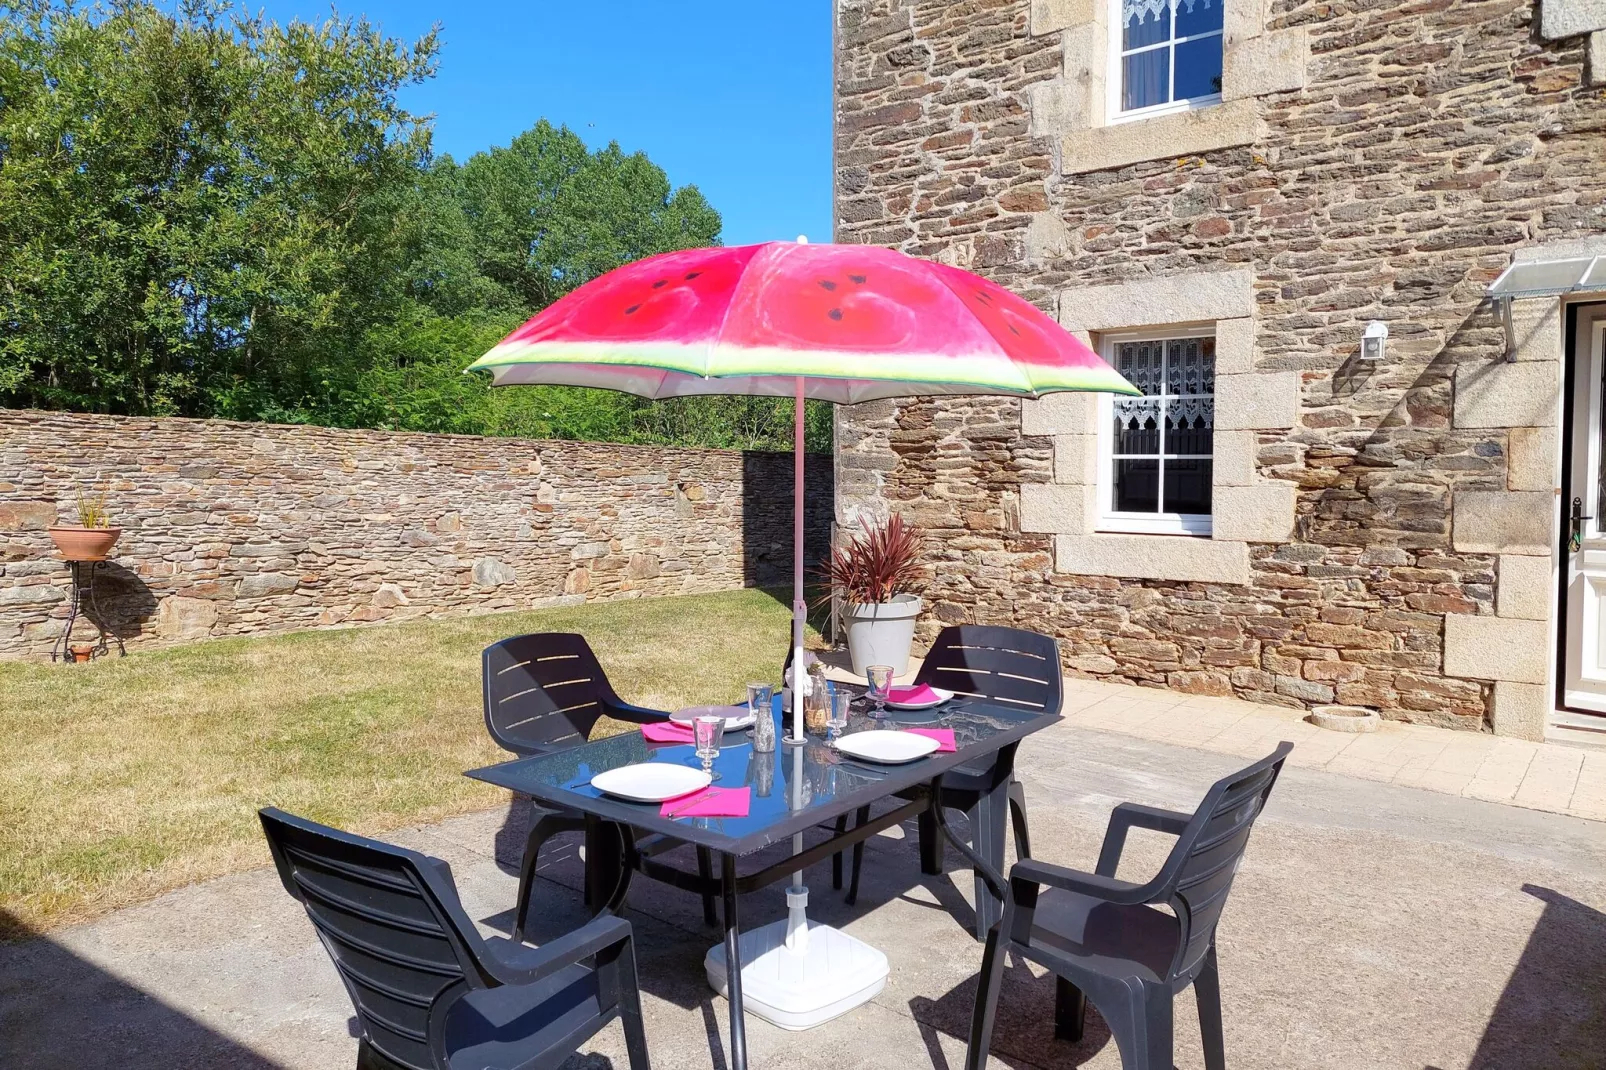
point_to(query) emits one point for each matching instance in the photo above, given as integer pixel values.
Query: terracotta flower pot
(84, 544)
(80, 655)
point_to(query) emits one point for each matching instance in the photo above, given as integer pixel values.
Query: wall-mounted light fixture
(1372, 341)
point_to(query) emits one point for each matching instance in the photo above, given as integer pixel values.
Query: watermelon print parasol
(839, 323)
(856, 321)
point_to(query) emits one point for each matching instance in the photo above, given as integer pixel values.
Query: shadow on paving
(1556, 996)
(1025, 1018)
(108, 1023)
(884, 881)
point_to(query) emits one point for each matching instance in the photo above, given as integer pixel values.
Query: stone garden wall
(246, 529)
(1384, 533)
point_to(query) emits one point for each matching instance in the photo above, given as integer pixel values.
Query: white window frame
(1114, 81)
(1109, 519)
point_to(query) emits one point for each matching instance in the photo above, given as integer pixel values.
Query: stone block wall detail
(1375, 189)
(245, 529)
(1248, 508)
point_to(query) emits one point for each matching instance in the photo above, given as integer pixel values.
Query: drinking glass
(706, 731)
(841, 700)
(880, 680)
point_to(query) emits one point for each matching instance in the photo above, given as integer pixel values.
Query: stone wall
(1420, 146)
(245, 529)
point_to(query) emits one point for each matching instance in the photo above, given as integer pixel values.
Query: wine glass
(705, 733)
(880, 680)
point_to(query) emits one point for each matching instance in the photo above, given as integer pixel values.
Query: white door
(1585, 537)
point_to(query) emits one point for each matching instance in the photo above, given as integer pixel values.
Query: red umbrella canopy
(854, 321)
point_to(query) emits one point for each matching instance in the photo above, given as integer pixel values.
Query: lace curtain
(1142, 10)
(1182, 370)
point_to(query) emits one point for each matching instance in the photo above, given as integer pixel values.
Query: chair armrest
(1127, 816)
(1110, 890)
(527, 965)
(624, 711)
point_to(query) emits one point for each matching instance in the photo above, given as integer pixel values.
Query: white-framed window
(1155, 451)
(1166, 56)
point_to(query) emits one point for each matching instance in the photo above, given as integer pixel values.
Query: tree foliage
(206, 213)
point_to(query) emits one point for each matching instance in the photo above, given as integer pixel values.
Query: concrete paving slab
(1372, 926)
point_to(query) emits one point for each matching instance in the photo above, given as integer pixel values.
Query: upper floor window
(1156, 450)
(1168, 55)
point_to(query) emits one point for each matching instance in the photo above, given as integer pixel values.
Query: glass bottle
(817, 702)
(764, 727)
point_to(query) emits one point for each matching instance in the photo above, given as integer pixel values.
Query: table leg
(607, 867)
(733, 963)
(988, 875)
(988, 826)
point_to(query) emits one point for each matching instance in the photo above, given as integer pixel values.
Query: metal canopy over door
(1583, 527)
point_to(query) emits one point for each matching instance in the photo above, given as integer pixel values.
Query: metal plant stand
(83, 589)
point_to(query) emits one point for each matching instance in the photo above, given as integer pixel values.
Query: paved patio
(1560, 778)
(1542, 776)
(1373, 925)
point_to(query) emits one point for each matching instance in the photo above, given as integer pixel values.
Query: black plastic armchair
(543, 692)
(1107, 940)
(429, 991)
(1009, 666)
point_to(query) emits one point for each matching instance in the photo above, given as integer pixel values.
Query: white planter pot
(882, 634)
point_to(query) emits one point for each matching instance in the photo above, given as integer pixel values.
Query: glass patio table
(794, 788)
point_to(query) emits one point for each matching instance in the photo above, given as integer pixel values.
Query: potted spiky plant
(93, 537)
(876, 576)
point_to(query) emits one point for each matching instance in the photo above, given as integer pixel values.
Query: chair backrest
(1198, 874)
(1010, 666)
(543, 691)
(393, 927)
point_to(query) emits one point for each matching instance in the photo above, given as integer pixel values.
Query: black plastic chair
(543, 692)
(1010, 666)
(430, 992)
(1107, 941)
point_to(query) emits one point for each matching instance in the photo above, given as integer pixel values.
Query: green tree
(548, 215)
(196, 207)
(204, 213)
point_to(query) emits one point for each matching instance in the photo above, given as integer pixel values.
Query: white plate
(736, 717)
(942, 696)
(886, 746)
(651, 781)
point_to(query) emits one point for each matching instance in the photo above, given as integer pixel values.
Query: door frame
(1583, 396)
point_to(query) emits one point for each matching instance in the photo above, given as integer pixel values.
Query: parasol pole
(797, 896)
(799, 607)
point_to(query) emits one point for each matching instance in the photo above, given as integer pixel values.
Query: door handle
(1575, 537)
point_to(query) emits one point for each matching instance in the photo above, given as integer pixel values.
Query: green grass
(125, 778)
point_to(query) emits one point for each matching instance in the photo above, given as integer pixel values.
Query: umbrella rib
(724, 319)
(1031, 390)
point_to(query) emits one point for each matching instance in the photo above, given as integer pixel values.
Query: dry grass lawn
(128, 777)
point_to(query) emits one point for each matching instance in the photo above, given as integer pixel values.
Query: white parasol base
(830, 975)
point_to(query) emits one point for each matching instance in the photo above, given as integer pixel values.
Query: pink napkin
(710, 802)
(943, 736)
(921, 693)
(667, 732)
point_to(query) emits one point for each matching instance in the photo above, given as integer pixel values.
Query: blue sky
(734, 97)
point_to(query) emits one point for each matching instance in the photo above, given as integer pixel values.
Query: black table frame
(623, 837)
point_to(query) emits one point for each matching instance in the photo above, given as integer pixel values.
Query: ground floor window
(1155, 450)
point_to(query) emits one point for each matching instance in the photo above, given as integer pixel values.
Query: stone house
(1347, 250)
